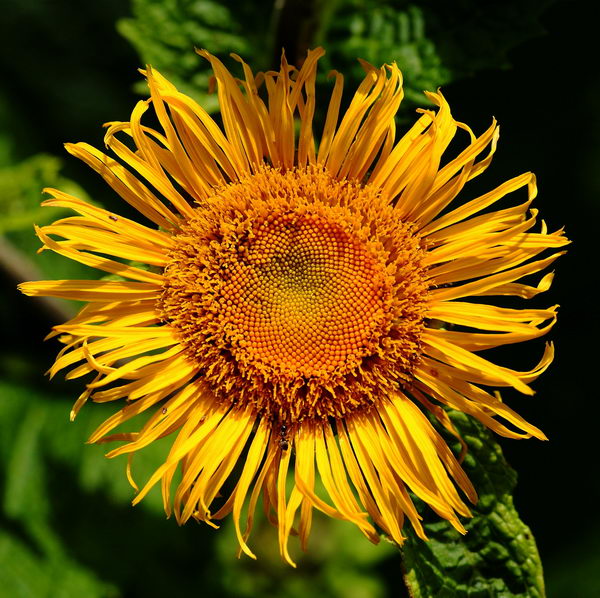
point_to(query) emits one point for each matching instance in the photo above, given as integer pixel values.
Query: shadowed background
(66, 525)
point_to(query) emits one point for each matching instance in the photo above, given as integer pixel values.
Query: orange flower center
(299, 294)
(304, 295)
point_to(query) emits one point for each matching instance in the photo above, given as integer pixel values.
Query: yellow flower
(303, 304)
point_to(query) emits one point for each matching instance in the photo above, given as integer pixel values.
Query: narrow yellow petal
(90, 290)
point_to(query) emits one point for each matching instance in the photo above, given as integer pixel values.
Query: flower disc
(277, 279)
(301, 295)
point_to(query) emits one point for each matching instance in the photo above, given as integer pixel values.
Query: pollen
(286, 300)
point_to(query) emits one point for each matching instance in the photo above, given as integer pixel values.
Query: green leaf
(21, 192)
(434, 43)
(498, 556)
(379, 33)
(20, 198)
(165, 33)
(33, 559)
(25, 573)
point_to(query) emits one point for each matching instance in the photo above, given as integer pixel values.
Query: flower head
(294, 306)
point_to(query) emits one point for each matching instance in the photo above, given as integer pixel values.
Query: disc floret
(279, 288)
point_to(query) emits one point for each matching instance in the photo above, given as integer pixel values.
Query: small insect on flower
(296, 311)
(283, 439)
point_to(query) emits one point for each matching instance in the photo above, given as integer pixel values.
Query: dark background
(66, 520)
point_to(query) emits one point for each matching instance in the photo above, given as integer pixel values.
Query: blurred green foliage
(165, 33)
(20, 196)
(21, 192)
(432, 44)
(376, 31)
